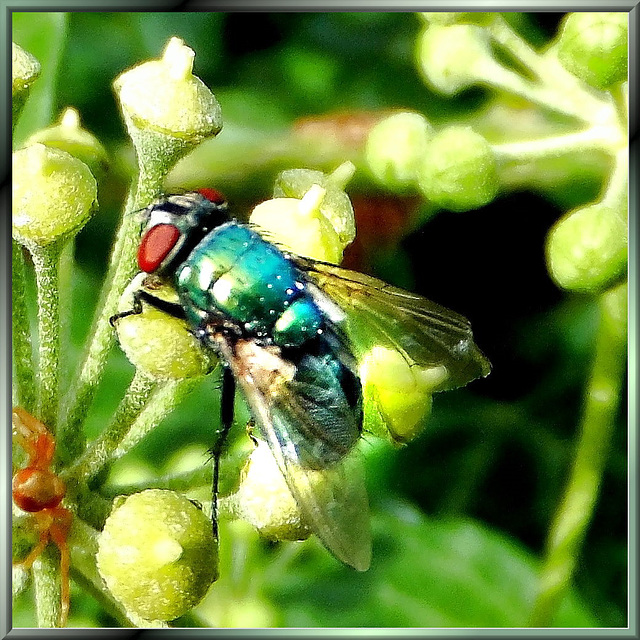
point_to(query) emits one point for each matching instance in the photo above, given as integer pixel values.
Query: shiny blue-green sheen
(234, 275)
(300, 321)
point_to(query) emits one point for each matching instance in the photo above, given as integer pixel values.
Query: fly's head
(175, 224)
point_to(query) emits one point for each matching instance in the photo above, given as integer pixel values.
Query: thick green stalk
(25, 391)
(46, 586)
(46, 262)
(601, 405)
(101, 449)
(122, 268)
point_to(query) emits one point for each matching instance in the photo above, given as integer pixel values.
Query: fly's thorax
(234, 273)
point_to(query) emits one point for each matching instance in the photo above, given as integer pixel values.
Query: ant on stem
(39, 491)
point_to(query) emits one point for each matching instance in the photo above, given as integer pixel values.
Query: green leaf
(43, 36)
(425, 572)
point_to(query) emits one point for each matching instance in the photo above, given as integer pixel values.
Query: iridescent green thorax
(235, 274)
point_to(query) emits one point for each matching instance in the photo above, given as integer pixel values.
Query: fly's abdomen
(233, 272)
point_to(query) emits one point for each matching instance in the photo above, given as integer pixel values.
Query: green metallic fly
(291, 331)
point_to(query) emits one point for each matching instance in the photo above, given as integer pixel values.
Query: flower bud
(299, 225)
(54, 195)
(395, 149)
(25, 69)
(459, 170)
(264, 500)
(397, 396)
(167, 109)
(154, 341)
(69, 136)
(452, 58)
(157, 554)
(587, 249)
(335, 206)
(593, 46)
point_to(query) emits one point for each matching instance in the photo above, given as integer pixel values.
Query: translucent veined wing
(311, 432)
(424, 332)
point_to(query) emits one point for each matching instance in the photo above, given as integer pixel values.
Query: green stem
(101, 450)
(615, 195)
(46, 261)
(579, 142)
(555, 88)
(122, 268)
(164, 400)
(602, 402)
(21, 332)
(182, 482)
(46, 587)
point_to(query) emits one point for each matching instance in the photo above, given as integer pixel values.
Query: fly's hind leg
(226, 420)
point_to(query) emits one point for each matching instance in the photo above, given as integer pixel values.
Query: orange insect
(38, 490)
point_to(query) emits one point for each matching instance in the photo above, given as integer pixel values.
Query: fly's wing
(305, 426)
(424, 333)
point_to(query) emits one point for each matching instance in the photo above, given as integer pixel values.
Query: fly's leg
(226, 419)
(170, 308)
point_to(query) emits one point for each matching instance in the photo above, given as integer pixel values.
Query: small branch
(46, 262)
(616, 192)
(602, 402)
(101, 450)
(555, 87)
(182, 482)
(122, 268)
(46, 587)
(21, 332)
(579, 142)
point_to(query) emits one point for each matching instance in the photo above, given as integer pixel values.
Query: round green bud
(335, 206)
(459, 171)
(452, 58)
(163, 96)
(54, 195)
(395, 148)
(157, 554)
(459, 17)
(69, 136)
(25, 69)
(263, 499)
(300, 226)
(587, 249)
(157, 343)
(397, 396)
(593, 46)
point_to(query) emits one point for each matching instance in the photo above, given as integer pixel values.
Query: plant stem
(46, 586)
(122, 268)
(46, 262)
(102, 448)
(615, 195)
(182, 482)
(164, 400)
(555, 88)
(21, 333)
(578, 142)
(601, 405)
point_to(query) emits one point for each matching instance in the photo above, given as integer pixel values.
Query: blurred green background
(460, 515)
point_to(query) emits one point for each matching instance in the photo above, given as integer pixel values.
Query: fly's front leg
(226, 420)
(170, 308)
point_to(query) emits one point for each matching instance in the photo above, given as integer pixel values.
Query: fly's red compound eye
(156, 245)
(213, 195)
